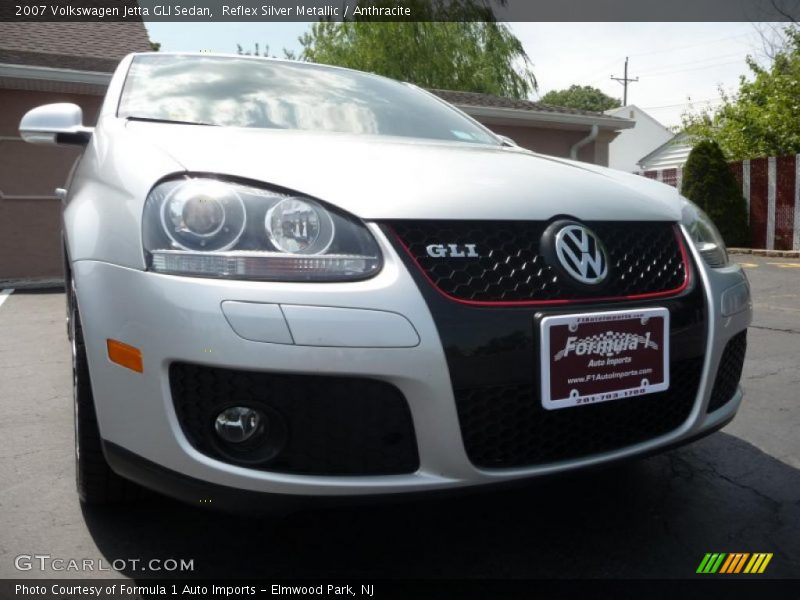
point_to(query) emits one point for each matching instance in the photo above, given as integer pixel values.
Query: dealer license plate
(601, 356)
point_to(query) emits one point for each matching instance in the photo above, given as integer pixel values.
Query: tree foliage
(266, 53)
(455, 45)
(583, 97)
(256, 52)
(709, 182)
(762, 118)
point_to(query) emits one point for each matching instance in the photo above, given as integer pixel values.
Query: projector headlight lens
(299, 226)
(203, 216)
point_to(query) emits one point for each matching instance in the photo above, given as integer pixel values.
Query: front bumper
(180, 319)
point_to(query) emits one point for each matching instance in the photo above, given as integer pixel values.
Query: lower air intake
(506, 426)
(729, 372)
(329, 425)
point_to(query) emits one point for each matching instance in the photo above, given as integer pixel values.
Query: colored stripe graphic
(734, 558)
(741, 562)
(703, 563)
(717, 564)
(729, 562)
(711, 562)
(734, 562)
(758, 563)
(765, 563)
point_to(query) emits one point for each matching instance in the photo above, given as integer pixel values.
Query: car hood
(377, 177)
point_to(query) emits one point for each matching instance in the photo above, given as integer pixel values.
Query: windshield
(244, 92)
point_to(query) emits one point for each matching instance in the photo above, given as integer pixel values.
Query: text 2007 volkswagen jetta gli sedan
(298, 280)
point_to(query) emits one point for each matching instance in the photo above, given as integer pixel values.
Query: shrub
(709, 183)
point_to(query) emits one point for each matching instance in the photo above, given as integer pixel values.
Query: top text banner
(400, 10)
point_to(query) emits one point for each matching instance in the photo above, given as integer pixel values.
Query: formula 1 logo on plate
(608, 344)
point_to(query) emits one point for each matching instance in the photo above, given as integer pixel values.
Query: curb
(768, 253)
(44, 283)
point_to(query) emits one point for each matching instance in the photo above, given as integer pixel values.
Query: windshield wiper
(170, 121)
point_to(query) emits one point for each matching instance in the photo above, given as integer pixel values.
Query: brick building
(42, 63)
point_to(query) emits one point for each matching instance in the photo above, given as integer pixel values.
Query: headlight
(704, 235)
(211, 228)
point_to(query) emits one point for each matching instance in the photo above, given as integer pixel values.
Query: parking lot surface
(735, 491)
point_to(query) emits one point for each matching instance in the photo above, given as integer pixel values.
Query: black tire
(97, 484)
(67, 288)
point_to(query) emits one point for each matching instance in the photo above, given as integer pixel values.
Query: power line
(661, 73)
(705, 43)
(670, 49)
(663, 50)
(691, 62)
(687, 103)
(670, 71)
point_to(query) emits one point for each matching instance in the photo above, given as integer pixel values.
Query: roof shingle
(492, 101)
(83, 46)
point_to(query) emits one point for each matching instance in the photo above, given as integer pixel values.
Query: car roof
(263, 58)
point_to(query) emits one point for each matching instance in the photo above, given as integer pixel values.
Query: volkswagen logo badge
(581, 254)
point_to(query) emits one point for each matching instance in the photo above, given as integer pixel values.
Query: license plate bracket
(594, 357)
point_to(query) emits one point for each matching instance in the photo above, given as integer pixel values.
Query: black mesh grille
(729, 372)
(506, 426)
(644, 257)
(332, 425)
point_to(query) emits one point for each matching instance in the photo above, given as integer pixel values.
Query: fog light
(238, 424)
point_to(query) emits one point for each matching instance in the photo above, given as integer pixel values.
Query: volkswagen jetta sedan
(288, 280)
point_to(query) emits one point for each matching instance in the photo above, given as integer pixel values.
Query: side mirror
(55, 124)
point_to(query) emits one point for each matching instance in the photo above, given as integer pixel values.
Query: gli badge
(452, 251)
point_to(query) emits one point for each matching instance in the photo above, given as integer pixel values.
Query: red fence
(771, 187)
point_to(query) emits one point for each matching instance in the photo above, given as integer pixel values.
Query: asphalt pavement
(735, 491)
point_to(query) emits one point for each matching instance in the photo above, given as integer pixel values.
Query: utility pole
(625, 81)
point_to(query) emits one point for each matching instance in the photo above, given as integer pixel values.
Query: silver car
(289, 280)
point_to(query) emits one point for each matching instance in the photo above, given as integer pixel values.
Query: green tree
(709, 182)
(257, 52)
(471, 51)
(583, 97)
(762, 118)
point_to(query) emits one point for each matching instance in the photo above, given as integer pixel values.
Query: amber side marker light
(125, 355)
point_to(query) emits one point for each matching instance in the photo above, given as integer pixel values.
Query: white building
(632, 144)
(672, 154)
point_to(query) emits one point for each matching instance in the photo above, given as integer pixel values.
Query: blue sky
(676, 62)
